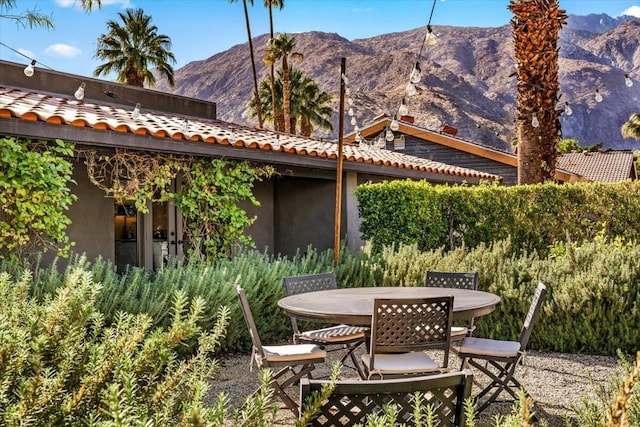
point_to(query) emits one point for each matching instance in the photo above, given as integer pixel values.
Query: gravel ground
(555, 380)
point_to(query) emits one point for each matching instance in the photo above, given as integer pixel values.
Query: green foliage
(568, 145)
(533, 216)
(209, 203)
(34, 196)
(60, 364)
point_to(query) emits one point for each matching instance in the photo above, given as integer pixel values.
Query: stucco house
(443, 146)
(297, 204)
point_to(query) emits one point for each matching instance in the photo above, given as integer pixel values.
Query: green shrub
(61, 365)
(533, 216)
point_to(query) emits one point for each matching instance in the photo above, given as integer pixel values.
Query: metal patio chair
(331, 338)
(295, 361)
(488, 355)
(352, 402)
(401, 330)
(456, 280)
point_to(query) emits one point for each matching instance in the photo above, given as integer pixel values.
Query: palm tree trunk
(253, 66)
(286, 94)
(536, 26)
(273, 77)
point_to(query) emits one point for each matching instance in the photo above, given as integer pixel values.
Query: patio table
(354, 306)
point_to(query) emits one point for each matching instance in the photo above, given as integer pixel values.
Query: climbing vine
(34, 196)
(208, 198)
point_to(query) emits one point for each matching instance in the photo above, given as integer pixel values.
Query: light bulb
(598, 96)
(394, 126)
(356, 128)
(389, 135)
(345, 79)
(567, 109)
(415, 75)
(534, 121)
(135, 114)
(410, 89)
(627, 80)
(353, 121)
(30, 69)
(80, 92)
(347, 91)
(349, 101)
(350, 111)
(403, 110)
(430, 38)
(358, 137)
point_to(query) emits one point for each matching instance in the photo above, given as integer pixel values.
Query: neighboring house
(600, 166)
(446, 148)
(297, 204)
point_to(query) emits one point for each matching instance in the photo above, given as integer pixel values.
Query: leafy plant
(34, 196)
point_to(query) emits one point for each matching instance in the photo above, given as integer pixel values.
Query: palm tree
(32, 18)
(536, 25)
(270, 4)
(631, 129)
(309, 106)
(281, 48)
(132, 48)
(253, 60)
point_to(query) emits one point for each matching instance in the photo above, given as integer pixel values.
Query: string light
(410, 89)
(389, 135)
(79, 94)
(430, 39)
(534, 121)
(598, 96)
(567, 109)
(627, 80)
(135, 114)
(30, 69)
(403, 110)
(394, 126)
(415, 75)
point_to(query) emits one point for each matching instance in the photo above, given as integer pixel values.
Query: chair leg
(279, 387)
(503, 381)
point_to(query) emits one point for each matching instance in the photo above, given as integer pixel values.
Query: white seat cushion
(292, 353)
(415, 362)
(458, 332)
(486, 347)
(336, 333)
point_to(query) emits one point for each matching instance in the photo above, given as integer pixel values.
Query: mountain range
(467, 78)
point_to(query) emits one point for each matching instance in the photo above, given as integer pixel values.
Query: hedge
(534, 217)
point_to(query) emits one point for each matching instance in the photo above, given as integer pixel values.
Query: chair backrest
(294, 285)
(251, 324)
(351, 402)
(458, 280)
(410, 324)
(532, 315)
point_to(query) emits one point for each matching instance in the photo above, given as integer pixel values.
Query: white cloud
(361, 9)
(64, 50)
(632, 11)
(26, 52)
(70, 3)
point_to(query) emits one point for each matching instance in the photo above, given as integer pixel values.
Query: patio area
(555, 380)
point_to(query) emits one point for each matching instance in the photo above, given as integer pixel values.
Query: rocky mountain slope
(467, 79)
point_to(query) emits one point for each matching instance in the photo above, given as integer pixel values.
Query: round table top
(354, 306)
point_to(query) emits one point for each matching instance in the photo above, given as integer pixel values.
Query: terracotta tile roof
(60, 110)
(607, 166)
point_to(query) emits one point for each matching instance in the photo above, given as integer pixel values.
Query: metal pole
(338, 211)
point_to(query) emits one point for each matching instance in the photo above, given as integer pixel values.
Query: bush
(61, 365)
(534, 217)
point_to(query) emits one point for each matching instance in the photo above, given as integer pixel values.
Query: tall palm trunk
(253, 65)
(286, 94)
(273, 77)
(536, 26)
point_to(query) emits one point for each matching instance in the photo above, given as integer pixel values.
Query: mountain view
(467, 78)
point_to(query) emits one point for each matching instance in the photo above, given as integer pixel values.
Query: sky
(201, 28)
